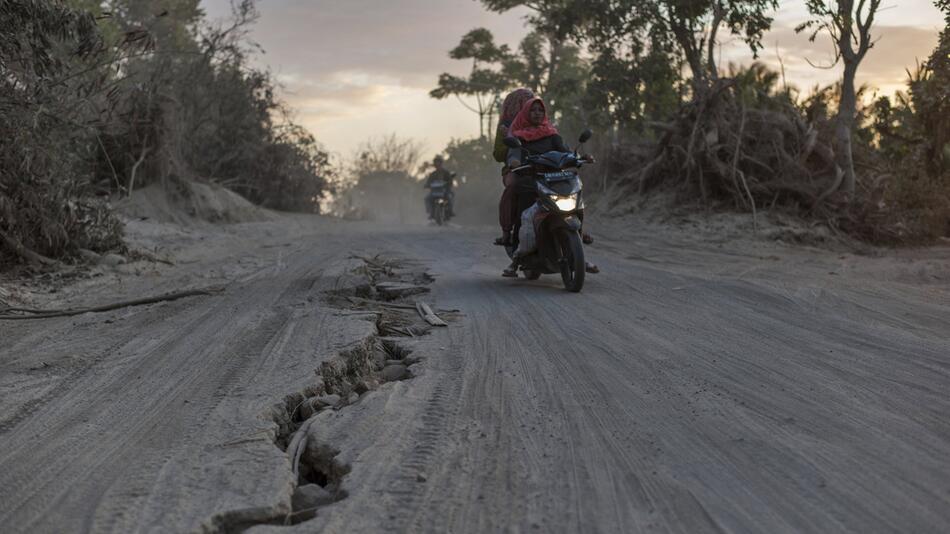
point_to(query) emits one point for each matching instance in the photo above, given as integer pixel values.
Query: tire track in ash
(723, 404)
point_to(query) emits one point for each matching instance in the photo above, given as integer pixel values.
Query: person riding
(448, 182)
(506, 208)
(537, 135)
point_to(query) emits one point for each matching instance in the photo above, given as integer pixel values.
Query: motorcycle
(440, 194)
(560, 213)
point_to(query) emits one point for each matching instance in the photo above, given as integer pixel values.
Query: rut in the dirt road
(381, 289)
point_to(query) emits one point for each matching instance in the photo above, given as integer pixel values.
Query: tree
(387, 154)
(564, 92)
(528, 68)
(930, 92)
(848, 23)
(383, 186)
(635, 69)
(485, 81)
(51, 101)
(554, 22)
(694, 25)
(170, 23)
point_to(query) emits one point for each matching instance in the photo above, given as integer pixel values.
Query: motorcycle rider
(440, 174)
(510, 108)
(537, 136)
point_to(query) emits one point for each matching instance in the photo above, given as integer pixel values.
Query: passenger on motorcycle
(506, 206)
(445, 177)
(537, 136)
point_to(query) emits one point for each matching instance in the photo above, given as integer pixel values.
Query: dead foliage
(747, 145)
(725, 146)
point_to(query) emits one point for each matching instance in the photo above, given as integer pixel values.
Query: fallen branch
(297, 446)
(735, 170)
(835, 185)
(360, 300)
(360, 312)
(430, 317)
(46, 314)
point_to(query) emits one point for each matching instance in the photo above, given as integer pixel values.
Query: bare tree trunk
(845, 126)
(685, 36)
(851, 26)
(694, 58)
(699, 75)
(718, 14)
(135, 167)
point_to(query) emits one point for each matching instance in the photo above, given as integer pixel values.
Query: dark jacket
(540, 146)
(524, 184)
(443, 175)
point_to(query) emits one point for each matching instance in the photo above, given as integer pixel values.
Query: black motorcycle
(561, 211)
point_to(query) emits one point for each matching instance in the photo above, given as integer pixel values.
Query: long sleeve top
(540, 146)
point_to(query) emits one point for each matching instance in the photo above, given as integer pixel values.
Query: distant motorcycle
(441, 200)
(560, 211)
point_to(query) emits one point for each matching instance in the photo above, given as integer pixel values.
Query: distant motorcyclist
(447, 180)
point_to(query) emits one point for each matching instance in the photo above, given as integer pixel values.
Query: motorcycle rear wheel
(572, 267)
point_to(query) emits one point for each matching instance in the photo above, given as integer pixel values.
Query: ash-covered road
(686, 389)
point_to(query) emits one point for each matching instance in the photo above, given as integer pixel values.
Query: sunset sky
(359, 68)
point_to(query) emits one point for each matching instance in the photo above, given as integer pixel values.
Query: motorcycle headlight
(566, 203)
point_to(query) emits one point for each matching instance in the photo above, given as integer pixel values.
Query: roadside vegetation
(98, 99)
(742, 137)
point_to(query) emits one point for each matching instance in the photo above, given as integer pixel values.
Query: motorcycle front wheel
(439, 215)
(572, 264)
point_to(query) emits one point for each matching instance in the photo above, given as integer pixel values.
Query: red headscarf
(522, 127)
(513, 104)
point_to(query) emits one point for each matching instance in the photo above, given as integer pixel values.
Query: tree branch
(5, 314)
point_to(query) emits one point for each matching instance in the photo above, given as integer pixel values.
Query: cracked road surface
(688, 388)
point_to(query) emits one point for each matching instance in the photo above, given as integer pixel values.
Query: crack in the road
(381, 289)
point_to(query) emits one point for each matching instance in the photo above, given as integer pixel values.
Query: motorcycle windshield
(565, 187)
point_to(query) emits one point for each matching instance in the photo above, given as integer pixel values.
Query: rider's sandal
(511, 271)
(504, 240)
(587, 238)
(591, 268)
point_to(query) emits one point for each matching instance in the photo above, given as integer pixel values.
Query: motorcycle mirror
(586, 135)
(512, 142)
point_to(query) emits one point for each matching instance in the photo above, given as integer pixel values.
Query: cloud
(896, 49)
(405, 39)
(336, 94)
(353, 69)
